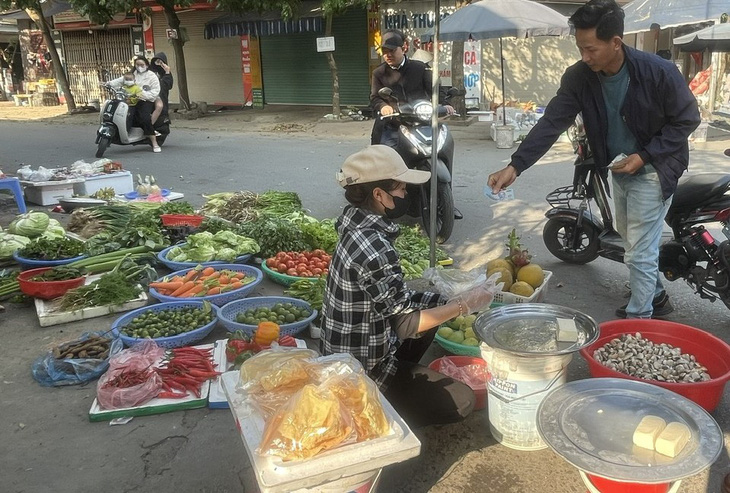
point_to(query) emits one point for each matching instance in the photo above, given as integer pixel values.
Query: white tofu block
(648, 430)
(672, 440)
(567, 331)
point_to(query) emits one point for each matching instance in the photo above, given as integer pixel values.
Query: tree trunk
(457, 75)
(177, 45)
(336, 110)
(40, 21)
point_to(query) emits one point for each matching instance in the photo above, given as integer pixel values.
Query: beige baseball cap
(375, 163)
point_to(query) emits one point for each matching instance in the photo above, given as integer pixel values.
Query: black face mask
(400, 207)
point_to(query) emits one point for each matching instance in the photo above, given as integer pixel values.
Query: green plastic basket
(455, 348)
(462, 349)
(283, 279)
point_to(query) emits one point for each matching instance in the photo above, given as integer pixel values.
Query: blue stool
(13, 184)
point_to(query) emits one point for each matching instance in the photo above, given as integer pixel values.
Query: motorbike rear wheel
(558, 235)
(444, 211)
(102, 147)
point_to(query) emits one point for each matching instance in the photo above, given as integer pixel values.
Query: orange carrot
(166, 285)
(214, 275)
(235, 285)
(197, 288)
(239, 275)
(214, 290)
(207, 271)
(190, 275)
(177, 279)
(224, 279)
(184, 288)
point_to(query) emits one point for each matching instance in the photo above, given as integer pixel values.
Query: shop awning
(266, 23)
(714, 38)
(50, 8)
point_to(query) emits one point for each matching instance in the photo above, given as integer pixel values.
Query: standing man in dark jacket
(633, 103)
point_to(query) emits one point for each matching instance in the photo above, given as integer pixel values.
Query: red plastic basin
(711, 352)
(479, 393)
(46, 290)
(603, 485)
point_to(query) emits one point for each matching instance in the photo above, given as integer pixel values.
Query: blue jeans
(640, 212)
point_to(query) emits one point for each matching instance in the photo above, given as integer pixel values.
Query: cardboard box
(120, 181)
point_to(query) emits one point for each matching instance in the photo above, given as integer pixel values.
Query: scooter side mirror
(387, 93)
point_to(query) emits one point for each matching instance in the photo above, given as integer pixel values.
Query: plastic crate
(538, 296)
(283, 279)
(181, 220)
(228, 314)
(29, 263)
(162, 257)
(184, 339)
(218, 299)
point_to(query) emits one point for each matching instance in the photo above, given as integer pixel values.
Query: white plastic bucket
(517, 385)
(504, 136)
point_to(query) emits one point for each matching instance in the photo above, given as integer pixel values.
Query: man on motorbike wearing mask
(367, 309)
(410, 80)
(633, 103)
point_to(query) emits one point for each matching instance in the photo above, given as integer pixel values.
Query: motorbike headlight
(414, 140)
(120, 96)
(442, 138)
(424, 111)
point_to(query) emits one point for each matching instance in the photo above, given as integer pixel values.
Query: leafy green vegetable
(275, 235)
(60, 273)
(111, 289)
(54, 230)
(413, 246)
(32, 224)
(320, 235)
(100, 244)
(9, 243)
(205, 246)
(52, 249)
(310, 291)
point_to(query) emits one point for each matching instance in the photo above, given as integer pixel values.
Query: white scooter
(116, 124)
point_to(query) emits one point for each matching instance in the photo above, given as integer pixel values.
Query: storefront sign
(137, 40)
(472, 72)
(171, 33)
(325, 44)
(149, 36)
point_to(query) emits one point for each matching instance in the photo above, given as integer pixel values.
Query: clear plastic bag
(473, 375)
(360, 397)
(49, 371)
(451, 282)
(140, 358)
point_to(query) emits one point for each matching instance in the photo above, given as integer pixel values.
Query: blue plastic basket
(162, 257)
(218, 299)
(134, 195)
(179, 340)
(228, 314)
(29, 263)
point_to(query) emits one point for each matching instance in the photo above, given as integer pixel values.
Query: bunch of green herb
(310, 291)
(278, 203)
(274, 235)
(52, 249)
(413, 246)
(175, 207)
(143, 229)
(215, 224)
(101, 243)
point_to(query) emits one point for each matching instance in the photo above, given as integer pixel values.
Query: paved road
(57, 449)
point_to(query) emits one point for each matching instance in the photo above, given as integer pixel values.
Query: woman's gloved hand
(480, 296)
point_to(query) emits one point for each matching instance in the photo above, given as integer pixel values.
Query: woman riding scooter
(150, 84)
(160, 117)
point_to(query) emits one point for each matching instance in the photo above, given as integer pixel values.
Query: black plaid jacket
(365, 288)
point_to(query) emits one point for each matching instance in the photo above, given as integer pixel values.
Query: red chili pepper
(172, 395)
(204, 374)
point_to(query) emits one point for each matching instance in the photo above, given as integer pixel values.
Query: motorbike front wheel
(103, 145)
(559, 236)
(444, 211)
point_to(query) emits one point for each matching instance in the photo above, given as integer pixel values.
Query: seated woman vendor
(370, 313)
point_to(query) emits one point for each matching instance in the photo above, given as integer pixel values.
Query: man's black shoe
(661, 305)
(457, 214)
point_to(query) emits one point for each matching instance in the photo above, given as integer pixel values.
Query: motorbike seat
(699, 189)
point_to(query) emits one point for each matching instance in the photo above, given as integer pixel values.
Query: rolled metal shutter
(294, 73)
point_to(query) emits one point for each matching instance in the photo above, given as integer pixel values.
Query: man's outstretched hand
(502, 179)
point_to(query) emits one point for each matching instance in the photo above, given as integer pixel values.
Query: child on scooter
(132, 89)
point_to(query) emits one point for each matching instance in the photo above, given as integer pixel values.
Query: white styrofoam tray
(156, 405)
(355, 460)
(48, 313)
(217, 397)
(120, 181)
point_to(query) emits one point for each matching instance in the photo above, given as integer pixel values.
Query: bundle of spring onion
(8, 283)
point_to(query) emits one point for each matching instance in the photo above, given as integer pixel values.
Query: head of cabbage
(31, 225)
(9, 243)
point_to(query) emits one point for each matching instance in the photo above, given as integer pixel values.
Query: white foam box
(49, 192)
(120, 181)
(341, 469)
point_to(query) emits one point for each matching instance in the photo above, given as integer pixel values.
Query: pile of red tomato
(301, 264)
